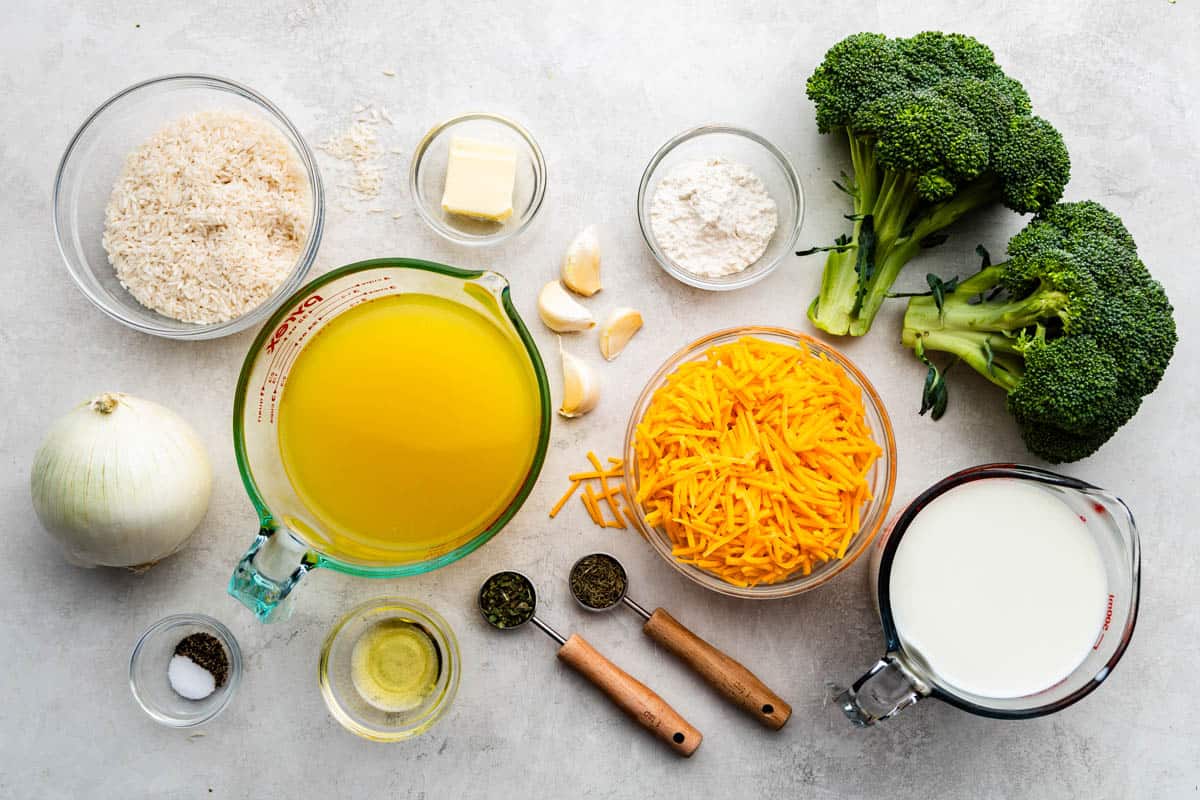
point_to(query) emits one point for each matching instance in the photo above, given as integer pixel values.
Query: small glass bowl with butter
(738, 146)
(389, 669)
(478, 179)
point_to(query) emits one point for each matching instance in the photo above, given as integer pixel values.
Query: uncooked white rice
(208, 217)
(358, 145)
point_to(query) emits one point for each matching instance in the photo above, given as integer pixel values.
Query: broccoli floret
(1066, 383)
(982, 98)
(858, 69)
(1065, 224)
(927, 144)
(1139, 330)
(930, 56)
(1064, 446)
(1072, 326)
(936, 130)
(1031, 164)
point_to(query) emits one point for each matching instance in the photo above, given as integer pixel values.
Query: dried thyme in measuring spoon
(598, 581)
(507, 600)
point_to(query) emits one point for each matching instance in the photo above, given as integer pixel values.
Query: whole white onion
(120, 482)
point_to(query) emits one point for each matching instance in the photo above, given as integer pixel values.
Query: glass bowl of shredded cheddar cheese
(761, 462)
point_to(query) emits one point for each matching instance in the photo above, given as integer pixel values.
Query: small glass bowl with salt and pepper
(185, 669)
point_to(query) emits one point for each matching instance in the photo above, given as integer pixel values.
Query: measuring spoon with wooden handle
(627, 693)
(738, 684)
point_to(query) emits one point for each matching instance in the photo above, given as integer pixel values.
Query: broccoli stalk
(987, 335)
(977, 334)
(893, 248)
(936, 130)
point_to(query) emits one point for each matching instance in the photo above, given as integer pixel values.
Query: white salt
(190, 679)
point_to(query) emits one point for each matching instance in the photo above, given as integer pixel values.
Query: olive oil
(395, 665)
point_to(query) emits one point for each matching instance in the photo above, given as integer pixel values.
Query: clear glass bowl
(427, 178)
(148, 671)
(882, 477)
(337, 687)
(93, 160)
(744, 147)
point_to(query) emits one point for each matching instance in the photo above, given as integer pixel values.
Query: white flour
(712, 217)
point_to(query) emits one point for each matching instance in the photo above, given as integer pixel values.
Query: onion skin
(120, 482)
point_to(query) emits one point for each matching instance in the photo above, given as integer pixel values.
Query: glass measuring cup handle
(886, 690)
(265, 576)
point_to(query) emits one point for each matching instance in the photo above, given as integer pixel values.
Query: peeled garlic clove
(581, 390)
(617, 330)
(561, 312)
(581, 264)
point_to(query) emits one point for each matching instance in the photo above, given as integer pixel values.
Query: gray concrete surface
(601, 85)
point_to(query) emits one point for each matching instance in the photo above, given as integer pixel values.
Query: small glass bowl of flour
(720, 207)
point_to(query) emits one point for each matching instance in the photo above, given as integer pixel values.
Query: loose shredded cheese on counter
(610, 494)
(754, 460)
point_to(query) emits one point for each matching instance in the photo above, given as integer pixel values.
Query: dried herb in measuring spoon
(598, 581)
(507, 599)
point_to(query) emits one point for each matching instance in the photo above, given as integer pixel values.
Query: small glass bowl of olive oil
(389, 669)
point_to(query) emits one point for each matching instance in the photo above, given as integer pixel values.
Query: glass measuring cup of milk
(1007, 591)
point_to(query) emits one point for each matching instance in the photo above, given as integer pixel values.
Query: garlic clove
(617, 330)
(581, 390)
(581, 264)
(561, 312)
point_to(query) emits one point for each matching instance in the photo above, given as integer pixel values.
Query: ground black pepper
(208, 652)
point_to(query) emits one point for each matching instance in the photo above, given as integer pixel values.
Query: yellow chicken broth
(407, 425)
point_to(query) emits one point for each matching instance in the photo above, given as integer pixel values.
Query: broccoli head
(936, 129)
(1072, 326)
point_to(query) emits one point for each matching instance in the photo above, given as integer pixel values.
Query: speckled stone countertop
(601, 85)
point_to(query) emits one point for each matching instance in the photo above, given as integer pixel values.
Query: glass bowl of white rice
(189, 207)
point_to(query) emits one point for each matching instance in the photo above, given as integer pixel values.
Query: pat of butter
(479, 179)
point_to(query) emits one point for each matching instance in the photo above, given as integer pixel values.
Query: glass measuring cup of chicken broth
(390, 419)
(1004, 590)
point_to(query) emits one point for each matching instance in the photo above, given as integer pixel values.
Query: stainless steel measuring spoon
(726, 675)
(630, 695)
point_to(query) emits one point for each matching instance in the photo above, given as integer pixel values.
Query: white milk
(999, 587)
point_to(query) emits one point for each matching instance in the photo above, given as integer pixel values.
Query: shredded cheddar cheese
(610, 494)
(755, 459)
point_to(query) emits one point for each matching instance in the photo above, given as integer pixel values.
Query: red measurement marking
(1099, 508)
(335, 305)
(1108, 614)
(298, 312)
(323, 308)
